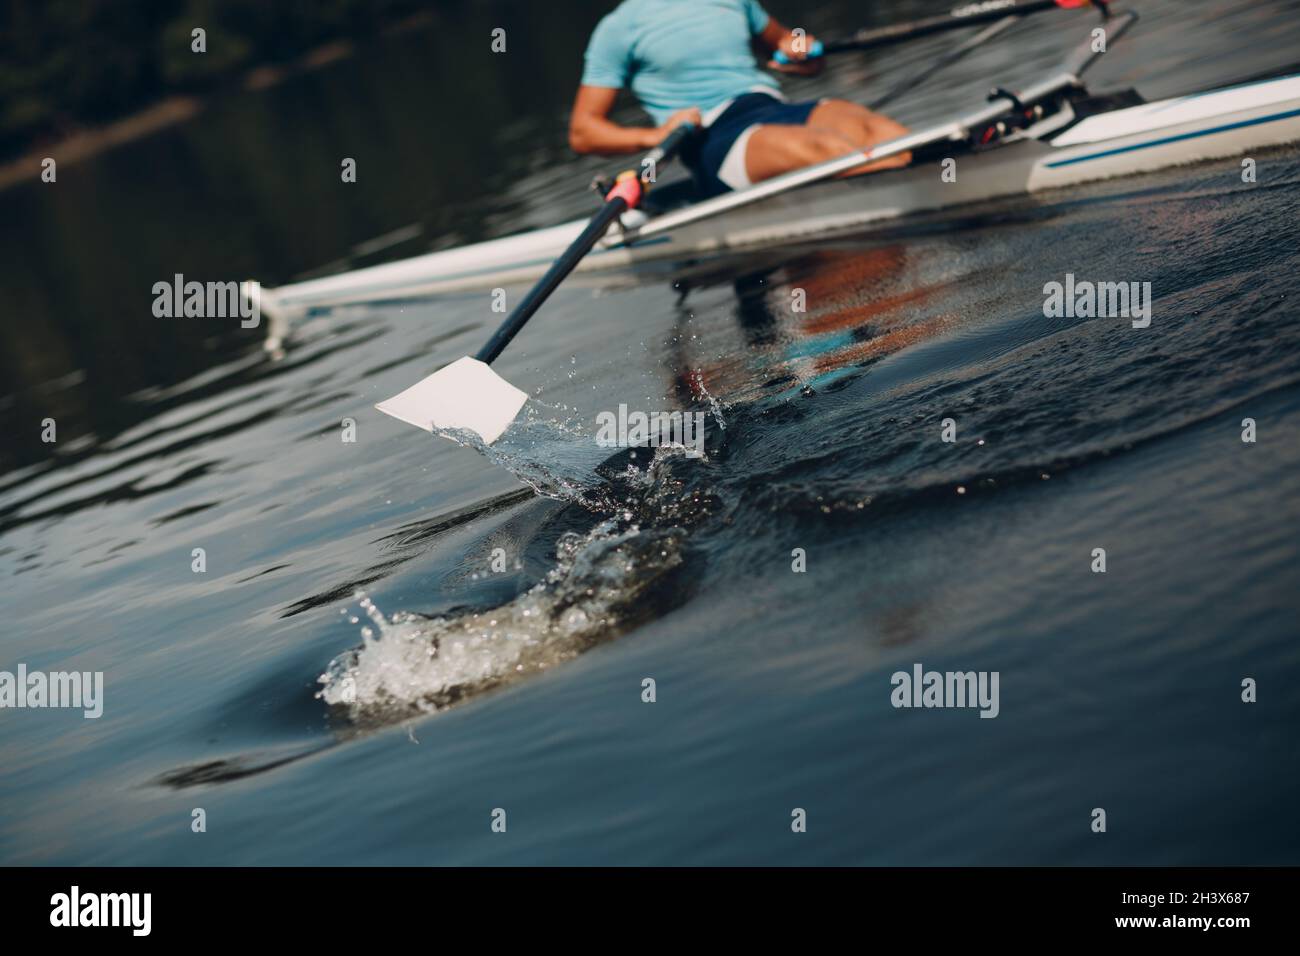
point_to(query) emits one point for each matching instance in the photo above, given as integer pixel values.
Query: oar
(958, 52)
(468, 394)
(966, 15)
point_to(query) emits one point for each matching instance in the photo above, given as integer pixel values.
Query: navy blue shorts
(705, 153)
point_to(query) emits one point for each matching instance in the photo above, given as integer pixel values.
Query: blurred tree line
(68, 63)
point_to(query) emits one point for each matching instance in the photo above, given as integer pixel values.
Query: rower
(693, 62)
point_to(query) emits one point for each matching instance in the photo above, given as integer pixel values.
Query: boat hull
(1139, 139)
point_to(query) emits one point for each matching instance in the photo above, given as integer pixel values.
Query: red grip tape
(629, 188)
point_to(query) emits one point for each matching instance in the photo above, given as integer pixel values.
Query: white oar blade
(466, 394)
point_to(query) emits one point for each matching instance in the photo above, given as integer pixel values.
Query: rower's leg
(776, 148)
(855, 122)
(861, 127)
(834, 127)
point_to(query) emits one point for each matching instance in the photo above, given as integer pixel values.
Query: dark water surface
(451, 690)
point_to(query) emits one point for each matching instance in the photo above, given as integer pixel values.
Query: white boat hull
(1152, 136)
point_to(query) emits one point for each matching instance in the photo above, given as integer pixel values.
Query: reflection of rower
(689, 61)
(859, 310)
(857, 313)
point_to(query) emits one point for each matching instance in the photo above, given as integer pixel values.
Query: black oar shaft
(948, 59)
(883, 36)
(615, 205)
(554, 276)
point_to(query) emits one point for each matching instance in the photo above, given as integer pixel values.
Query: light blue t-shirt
(678, 53)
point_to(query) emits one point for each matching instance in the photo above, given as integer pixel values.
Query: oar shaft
(954, 20)
(962, 50)
(625, 195)
(896, 33)
(966, 15)
(556, 274)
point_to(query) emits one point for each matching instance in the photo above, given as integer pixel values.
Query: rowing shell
(1061, 150)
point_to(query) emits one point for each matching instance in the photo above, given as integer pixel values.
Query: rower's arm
(777, 36)
(592, 131)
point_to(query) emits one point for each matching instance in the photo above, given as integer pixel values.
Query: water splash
(715, 406)
(409, 664)
(556, 454)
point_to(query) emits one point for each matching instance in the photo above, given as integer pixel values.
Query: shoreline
(92, 140)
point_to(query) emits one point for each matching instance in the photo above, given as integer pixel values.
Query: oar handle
(626, 194)
(817, 49)
(670, 145)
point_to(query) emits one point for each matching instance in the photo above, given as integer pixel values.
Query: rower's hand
(796, 48)
(689, 115)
